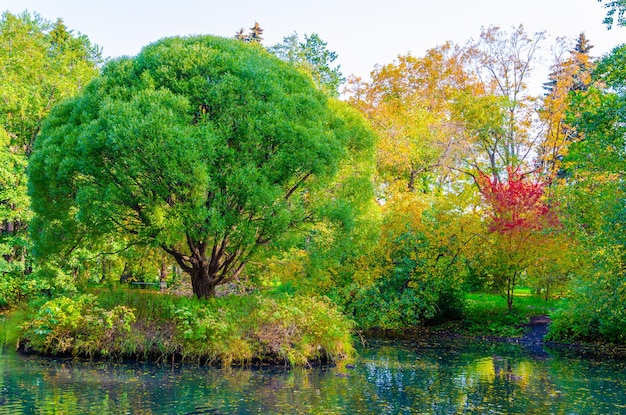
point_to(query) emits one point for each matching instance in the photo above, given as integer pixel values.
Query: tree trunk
(201, 282)
(163, 275)
(208, 271)
(511, 281)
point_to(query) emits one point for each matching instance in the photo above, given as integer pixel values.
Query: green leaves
(312, 57)
(40, 64)
(615, 8)
(204, 146)
(595, 202)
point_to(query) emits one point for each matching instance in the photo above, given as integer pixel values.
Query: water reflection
(389, 378)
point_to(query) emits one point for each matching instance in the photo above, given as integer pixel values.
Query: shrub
(9, 291)
(299, 329)
(228, 330)
(78, 326)
(284, 328)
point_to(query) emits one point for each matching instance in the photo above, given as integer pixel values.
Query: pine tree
(254, 36)
(256, 33)
(580, 53)
(240, 35)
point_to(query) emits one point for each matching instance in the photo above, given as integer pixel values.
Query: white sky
(362, 32)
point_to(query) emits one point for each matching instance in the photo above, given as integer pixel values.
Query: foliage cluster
(41, 64)
(294, 330)
(595, 200)
(420, 279)
(77, 325)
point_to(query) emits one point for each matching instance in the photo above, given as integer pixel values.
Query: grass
(487, 314)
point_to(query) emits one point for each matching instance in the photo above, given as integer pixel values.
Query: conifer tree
(256, 33)
(254, 36)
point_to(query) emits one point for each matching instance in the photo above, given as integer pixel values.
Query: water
(447, 377)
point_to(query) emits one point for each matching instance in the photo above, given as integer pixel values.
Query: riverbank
(232, 330)
(259, 328)
(533, 339)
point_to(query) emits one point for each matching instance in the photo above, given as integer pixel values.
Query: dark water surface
(434, 377)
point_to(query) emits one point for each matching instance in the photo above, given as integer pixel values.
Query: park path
(538, 329)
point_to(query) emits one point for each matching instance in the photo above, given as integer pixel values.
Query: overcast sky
(363, 33)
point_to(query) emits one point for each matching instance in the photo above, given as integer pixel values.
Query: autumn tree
(205, 147)
(420, 107)
(412, 103)
(520, 221)
(504, 62)
(571, 72)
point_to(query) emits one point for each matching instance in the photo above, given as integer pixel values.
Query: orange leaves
(572, 73)
(411, 104)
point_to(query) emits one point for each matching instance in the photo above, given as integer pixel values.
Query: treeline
(231, 162)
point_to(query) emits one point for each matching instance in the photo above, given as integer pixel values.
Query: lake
(389, 377)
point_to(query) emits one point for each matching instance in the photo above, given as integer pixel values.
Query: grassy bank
(487, 314)
(273, 328)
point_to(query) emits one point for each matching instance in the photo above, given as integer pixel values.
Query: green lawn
(487, 314)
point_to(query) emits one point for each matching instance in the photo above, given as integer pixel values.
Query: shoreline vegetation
(234, 330)
(263, 328)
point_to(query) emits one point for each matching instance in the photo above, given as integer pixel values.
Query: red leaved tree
(520, 225)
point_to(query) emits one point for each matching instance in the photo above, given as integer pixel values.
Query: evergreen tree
(240, 35)
(312, 56)
(254, 36)
(256, 33)
(580, 53)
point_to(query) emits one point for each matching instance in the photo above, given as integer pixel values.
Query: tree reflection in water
(389, 378)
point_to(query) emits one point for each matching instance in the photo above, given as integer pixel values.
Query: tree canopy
(313, 57)
(615, 8)
(203, 146)
(41, 63)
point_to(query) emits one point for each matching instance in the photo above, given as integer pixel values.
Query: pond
(389, 377)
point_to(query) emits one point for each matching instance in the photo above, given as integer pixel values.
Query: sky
(364, 33)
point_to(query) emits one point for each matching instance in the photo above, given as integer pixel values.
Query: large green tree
(41, 63)
(206, 147)
(312, 56)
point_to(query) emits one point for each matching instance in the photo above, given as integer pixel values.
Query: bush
(595, 310)
(15, 286)
(9, 291)
(423, 284)
(79, 327)
(299, 329)
(229, 330)
(568, 324)
(283, 328)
